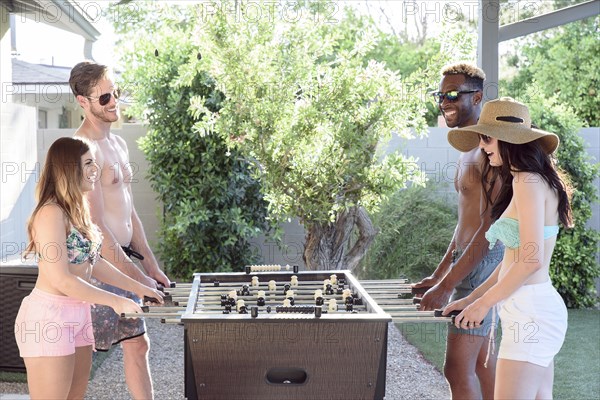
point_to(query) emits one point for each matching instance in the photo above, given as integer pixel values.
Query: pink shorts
(52, 325)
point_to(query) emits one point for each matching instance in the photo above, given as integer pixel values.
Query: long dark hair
(527, 157)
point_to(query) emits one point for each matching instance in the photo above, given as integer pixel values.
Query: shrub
(574, 267)
(415, 227)
(211, 204)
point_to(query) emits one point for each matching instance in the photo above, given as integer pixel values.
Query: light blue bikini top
(507, 231)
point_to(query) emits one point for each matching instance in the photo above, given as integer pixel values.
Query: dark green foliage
(415, 227)
(561, 62)
(574, 267)
(211, 204)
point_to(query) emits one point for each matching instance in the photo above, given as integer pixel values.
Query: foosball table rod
(426, 316)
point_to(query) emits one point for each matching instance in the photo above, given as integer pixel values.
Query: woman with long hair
(533, 200)
(53, 328)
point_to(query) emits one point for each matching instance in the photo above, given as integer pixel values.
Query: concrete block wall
(435, 157)
(18, 161)
(591, 137)
(149, 209)
(439, 161)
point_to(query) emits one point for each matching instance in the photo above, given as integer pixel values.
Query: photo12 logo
(56, 12)
(53, 332)
(469, 11)
(248, 12)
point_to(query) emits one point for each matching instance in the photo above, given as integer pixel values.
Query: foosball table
(274, 332)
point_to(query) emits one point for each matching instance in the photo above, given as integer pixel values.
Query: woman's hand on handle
(472, 315)
(457, 305)
(152, 293)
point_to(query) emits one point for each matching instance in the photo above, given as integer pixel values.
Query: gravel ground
(409, 375)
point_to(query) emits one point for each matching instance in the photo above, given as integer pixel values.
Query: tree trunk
(328, 246)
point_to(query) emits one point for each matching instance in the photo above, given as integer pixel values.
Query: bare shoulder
(49, 216)
(81, 133)
(528, 182)
(120, 141)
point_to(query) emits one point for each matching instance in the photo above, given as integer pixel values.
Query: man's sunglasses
(104, 99)
(452, 95)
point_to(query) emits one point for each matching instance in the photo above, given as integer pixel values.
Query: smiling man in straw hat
(533, 200)
(467, 262)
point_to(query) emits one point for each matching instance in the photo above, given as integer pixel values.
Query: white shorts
(534, 324)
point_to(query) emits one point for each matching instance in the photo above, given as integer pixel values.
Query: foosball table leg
(191, 392)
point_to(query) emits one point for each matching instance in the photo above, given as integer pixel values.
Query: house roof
(26, 73)
(61, 14)
(46, 79)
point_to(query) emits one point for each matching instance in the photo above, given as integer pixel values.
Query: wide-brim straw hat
(504, 119)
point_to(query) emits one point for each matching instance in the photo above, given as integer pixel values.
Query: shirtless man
(112, 209)
(467, 262)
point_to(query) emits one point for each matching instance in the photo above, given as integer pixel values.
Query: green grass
(97, 360)
(6, 376)
(576, 367)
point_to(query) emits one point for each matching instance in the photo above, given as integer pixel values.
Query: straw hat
(504, 119)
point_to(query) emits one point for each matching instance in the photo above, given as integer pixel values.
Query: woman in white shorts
(527, 211)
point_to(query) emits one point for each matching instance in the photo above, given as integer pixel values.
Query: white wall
(5, 50)
(18, 161)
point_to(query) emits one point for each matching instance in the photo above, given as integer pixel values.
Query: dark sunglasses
(103, 99)
(485, 138)
(451, 95)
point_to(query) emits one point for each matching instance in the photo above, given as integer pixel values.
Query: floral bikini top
(507, 231)
(80, 249)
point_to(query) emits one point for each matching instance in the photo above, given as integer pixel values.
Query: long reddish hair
(61, 183)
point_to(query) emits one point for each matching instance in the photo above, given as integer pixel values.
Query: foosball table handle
(155, 301)
(452, 314)
(420, 290)
(145, 309)
(161, 287)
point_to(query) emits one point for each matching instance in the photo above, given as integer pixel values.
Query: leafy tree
(574, 268)
(312, 116)
(399, 54)
(564, 62)
(211, 204)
